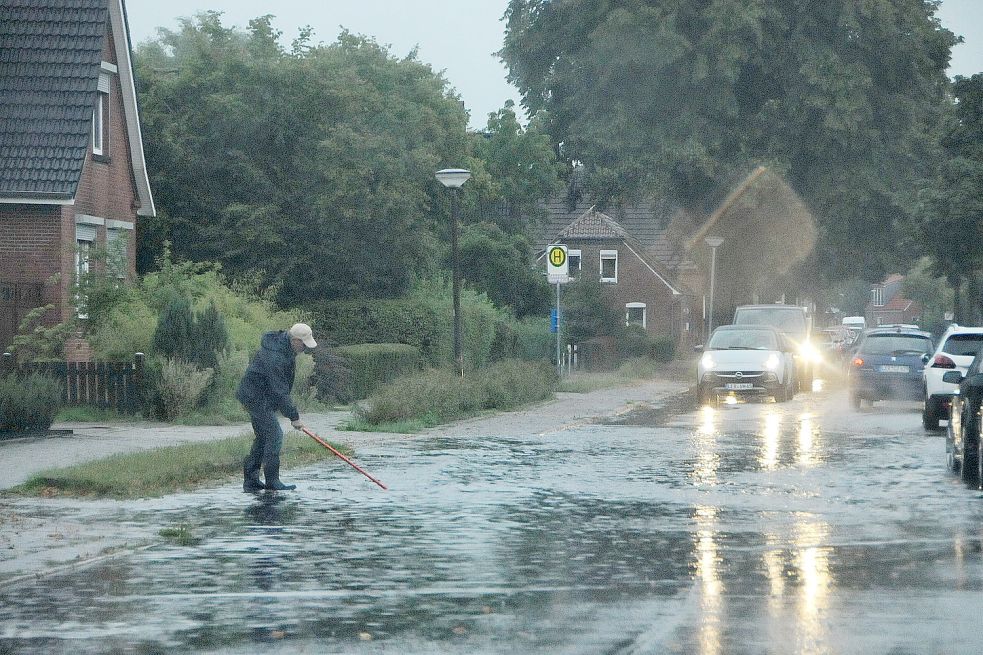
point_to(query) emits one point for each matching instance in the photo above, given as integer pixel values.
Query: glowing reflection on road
(707, 457)
(708, 573)
(807, 434)
(770, 436)
(803, 565)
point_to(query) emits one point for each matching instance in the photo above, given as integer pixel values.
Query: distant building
(645, 278)
(887, 304)
(72, 170)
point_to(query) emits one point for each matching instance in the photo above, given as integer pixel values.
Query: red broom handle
(333, 450)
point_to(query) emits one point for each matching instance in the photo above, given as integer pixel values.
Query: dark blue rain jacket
(270, 377)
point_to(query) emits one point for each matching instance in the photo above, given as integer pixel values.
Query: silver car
(742, 361)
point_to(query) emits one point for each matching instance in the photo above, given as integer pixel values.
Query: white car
(746, 361)
(956, 350)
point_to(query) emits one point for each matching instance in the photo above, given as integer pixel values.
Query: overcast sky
(458, 37)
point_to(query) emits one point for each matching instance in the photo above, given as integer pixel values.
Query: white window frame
(100, 115)
(98, 129)
(608, 255)
(877, 296)
(117, 251)
(575, 272)
(636, 305)
(84, 238)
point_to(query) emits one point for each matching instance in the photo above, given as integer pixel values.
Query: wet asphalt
(803, 527)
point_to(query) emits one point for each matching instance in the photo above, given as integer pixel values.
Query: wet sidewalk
(22, 458)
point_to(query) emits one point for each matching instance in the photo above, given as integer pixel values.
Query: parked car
(956, 350)
(888, 364)
(746, 361)
(796, 324)
(963, 446)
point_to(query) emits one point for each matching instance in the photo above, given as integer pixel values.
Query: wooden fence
(109, 385)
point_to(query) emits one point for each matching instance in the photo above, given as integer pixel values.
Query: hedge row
(372, 364)
(28, 402)
(441, 395)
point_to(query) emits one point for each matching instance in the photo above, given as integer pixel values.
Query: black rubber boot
(251, 481)
(273, 479)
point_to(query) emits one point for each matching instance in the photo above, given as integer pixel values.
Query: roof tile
(49, 68)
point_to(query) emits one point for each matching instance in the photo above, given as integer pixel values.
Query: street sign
(554, 320)
(557, 264)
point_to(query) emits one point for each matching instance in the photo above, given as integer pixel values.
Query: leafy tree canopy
(683, 97)
(312, 167)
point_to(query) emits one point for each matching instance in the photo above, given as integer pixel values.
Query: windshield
(791, 320)
(895, 344)
(743, 340)
(963, 344)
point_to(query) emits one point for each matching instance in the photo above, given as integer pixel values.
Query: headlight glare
(707, 361)
(772, 362)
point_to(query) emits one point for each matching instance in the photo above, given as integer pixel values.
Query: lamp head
(453, 178)
(714, 242)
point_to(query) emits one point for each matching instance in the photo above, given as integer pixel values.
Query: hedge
(28, 402)
(372, 364)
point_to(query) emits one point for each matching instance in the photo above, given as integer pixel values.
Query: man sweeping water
(265, 390)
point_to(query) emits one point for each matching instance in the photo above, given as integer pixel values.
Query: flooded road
(802, 527)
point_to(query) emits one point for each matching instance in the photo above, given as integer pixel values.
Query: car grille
(754, 377)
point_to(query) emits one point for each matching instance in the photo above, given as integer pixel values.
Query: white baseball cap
(303, 332)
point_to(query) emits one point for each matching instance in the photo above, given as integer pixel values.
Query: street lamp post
(714, 243)
(454, 179)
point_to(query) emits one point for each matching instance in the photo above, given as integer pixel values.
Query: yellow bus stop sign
(557, 264)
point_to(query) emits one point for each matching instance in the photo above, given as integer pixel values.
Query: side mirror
(952, 377)
(698, 349)
(925, 358)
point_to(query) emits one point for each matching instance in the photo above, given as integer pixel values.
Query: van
(794, 322)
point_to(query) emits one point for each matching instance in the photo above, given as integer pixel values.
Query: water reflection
(807, 445)
(802, 568)
(707, 449)
(770, 436)
(708, 572)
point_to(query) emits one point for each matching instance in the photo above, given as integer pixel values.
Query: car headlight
(772, 362)
(707, 361)
(809, 353)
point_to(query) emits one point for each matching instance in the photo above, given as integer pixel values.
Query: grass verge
(633, 370)
(162, 471)
(440, 395)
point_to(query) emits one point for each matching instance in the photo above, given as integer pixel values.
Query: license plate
(889, 368)
(738, 386)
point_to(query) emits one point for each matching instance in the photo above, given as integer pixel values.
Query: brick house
(637, 282)
(887, 304)
(72, 170)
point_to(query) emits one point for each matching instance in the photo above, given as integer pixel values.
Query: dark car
(888, 363)
(963, 447)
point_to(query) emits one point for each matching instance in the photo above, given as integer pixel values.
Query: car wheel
(971, 450)
(930, 414)
(855, 400)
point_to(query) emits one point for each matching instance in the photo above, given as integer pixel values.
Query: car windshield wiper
(906, 351)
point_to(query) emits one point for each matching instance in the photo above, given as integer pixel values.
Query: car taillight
(941, 361)
(858, 362)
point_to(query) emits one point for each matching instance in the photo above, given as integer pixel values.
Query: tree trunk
(956, 283)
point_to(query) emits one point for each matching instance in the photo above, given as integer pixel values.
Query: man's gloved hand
(297, 425)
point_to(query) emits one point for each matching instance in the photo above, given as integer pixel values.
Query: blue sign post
(554, 321)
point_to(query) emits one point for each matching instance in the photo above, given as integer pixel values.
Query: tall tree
(682, 97)
(312, 168)
(952, 202)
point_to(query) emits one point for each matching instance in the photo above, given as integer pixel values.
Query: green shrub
(179, 387)
(663, 348)
(424, 318)
(440, 395)
(28, 402)
(128, 329)
(175, 330)
(209, 338)
(634, 341)
(372, 364)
